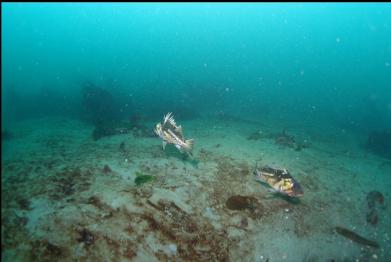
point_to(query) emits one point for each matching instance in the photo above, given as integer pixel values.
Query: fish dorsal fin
(172, 121)
(268, 174)
(166, 117)
(169, 119)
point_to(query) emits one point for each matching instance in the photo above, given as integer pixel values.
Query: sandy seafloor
(59, 205)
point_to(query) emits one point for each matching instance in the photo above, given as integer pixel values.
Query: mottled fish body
(280, 180)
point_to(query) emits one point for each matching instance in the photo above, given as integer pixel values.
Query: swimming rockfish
(280, 180)
(171, 133)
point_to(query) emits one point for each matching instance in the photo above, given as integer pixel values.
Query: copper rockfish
(280, 180)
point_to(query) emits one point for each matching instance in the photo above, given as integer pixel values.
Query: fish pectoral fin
(262, 181)
(272, 190)
(164, 144)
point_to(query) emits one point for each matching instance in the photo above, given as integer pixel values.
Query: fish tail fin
(189, 143)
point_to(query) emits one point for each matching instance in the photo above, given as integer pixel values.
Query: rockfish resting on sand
(280, 180)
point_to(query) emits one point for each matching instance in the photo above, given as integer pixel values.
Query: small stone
(106, 169)
(172, 248)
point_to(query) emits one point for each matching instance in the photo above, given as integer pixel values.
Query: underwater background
(306, 87)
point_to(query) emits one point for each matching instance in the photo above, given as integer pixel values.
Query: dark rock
(285, 140)
(43, 250)
(374, 197)
(110, 128)
(372, 217)
(355, 237)
(6, 135)
(379, 143)
(255, 136)
(98, 103)
(240, 202)
(106, 169)
(86, 237)
(122, 147)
